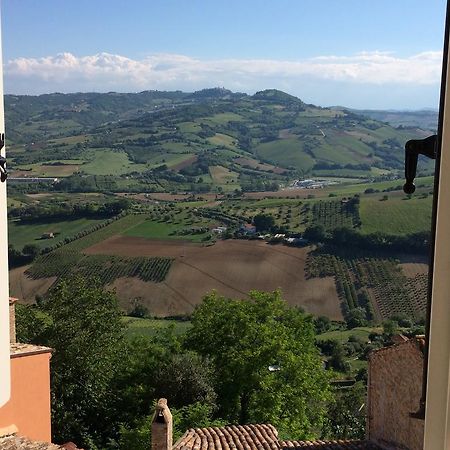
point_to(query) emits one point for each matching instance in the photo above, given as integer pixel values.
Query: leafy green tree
(29, 324)
(198, 414)
(337, 360)
(86, 332)
(322, 324)
(185, 379)
(264, 222)
(346, 418)
(266, 363)
(315, 233)
(31, 250)
(356, 317)
(390, 327)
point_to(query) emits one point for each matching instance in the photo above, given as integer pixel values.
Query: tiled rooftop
(256, 437)
(20, 443)
(330, 445)
(18, 349)
(241, 437)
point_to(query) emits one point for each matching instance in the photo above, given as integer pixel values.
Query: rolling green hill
(168, 141)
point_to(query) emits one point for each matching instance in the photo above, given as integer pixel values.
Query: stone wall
(394, 391)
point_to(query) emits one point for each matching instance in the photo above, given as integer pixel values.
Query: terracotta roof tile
(20, 443)
(17, 349)
(256, 437)
(329, 445)
(233, 437)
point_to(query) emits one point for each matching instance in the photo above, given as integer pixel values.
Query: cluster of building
(311, 184)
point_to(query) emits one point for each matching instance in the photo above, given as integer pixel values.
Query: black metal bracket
(3, 171)
(414, 148)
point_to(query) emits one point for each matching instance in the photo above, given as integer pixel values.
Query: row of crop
(324, 264)
(331, 214)
(228, 219)
(106, 268)
(418, 292)
(103, 233)
(83, 233)
(366, 282)
(55, 264)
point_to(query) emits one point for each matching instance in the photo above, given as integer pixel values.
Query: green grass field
(222, 175)
(286, 152)
(343, 335)
(30, 233)
(223, 139)
(152, 327)
(116, 227)
(109, 162)
(395, 215)
(152, 229)
(359, 188)
(223, 118)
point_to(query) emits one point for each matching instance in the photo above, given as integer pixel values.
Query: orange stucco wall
(29, 406)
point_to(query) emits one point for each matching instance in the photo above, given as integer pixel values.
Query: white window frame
(437, 407)
(5, 371)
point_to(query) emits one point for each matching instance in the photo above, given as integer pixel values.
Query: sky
(356, 53)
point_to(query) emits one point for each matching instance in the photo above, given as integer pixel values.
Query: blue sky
(365, 53)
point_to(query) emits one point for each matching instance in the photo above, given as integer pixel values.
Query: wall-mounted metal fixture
(414, 148)
(3, 171)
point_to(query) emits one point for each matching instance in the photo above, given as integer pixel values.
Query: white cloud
(66, 72)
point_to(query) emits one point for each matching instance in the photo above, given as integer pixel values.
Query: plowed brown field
(25, 288)
(232, 267)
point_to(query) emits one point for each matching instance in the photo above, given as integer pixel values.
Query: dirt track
(233, 268)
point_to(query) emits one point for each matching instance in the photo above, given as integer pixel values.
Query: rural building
(394, 390)
(25, 420)
(247, 228)
(219, 230)
(296, 241)
(27, 413)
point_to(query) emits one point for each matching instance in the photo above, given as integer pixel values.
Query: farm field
(380, 286)
(343, 335)
(180, 226)
(286, 152)
(222, 175)
(117, 226)
(232, 267)
(151, 327)
(47, 170)
(20, 234)
(107, 269)
(396, 215)
(25, 288)
(109, 162)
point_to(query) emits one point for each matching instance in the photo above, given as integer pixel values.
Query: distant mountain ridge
(422, 118)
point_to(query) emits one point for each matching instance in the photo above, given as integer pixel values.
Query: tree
(31, 250)
(86, 332)
(266, 363)
(322, 324)
(315, 233)
(264, 222)
(346, 417)
(185, 379)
